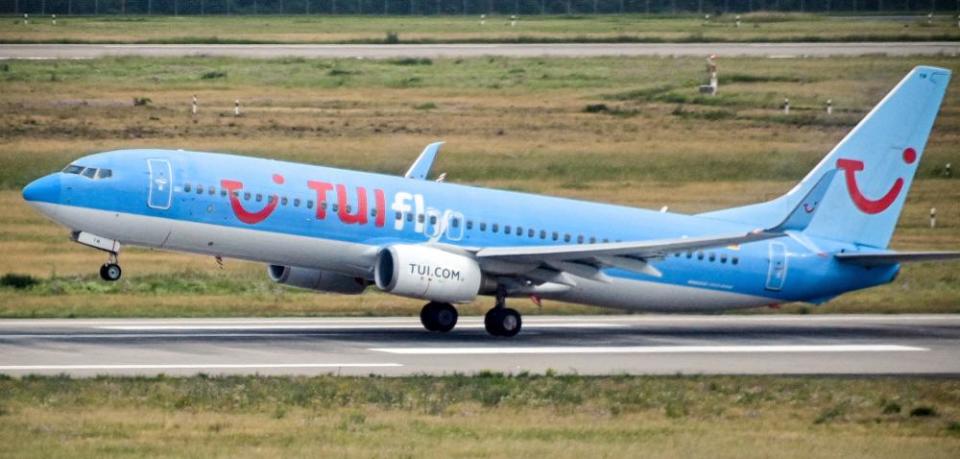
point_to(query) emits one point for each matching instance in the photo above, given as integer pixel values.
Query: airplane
(342, 231)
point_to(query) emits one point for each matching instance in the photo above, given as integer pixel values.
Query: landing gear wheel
(504, 322)
(438, 317)
(110, 272)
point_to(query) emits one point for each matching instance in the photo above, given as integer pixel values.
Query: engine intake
(315, 279)
(427, 273)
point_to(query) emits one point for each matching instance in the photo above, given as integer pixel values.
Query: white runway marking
(215, 366)
(336, 326)
(652, 349)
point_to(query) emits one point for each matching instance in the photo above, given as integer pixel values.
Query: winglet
(421, 167)
(803, 213)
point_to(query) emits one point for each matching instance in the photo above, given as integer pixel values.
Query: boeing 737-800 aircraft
(341, 231)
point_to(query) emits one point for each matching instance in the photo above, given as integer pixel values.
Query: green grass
(483, 415)
(758, 27)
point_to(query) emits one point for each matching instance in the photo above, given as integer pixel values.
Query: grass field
(510, 123)
(755, 27)
(484, 415)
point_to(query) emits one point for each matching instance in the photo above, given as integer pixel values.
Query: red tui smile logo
(233, 188)
(865, 204)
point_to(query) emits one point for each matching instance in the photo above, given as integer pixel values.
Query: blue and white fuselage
(428, 239)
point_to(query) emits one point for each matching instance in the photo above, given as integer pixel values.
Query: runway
(772, 50)
(638, 344)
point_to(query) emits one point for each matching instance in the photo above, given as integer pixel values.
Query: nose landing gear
(110, 271)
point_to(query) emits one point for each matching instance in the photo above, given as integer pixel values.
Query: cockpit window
(72, 169)
(104, 173)
(89, 172)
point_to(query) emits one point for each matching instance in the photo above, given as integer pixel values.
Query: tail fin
(877, 159)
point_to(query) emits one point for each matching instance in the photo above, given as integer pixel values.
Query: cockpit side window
(104, 173)
(89, 172)
(72, 169)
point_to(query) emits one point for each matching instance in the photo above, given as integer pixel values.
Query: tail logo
(865, 204)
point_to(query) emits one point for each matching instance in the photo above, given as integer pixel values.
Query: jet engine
(427, 273)
(315, 279)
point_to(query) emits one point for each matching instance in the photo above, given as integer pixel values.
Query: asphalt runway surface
(638, 344)
(783, 50)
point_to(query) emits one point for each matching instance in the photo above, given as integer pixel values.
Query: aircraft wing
(585, 260)
(890, 258)
(421, 167)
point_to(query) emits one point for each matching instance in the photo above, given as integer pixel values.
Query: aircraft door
(160, 195)
(777, 272)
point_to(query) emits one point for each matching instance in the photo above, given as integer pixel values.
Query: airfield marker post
(933, 217)
(947, 171)
(738, 21)
(786, 106)
(54, 19)
(829, 106)
(193, 106)
(236, 108)
(26, 19)
(483, 19)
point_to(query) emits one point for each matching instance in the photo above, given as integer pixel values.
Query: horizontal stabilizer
(891, 258)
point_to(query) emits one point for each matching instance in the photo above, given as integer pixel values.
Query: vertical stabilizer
(877, 161)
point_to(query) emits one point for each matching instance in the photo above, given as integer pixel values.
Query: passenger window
(72, 169)
(519, 231)
(483, 226)
(283, 201)
(506, 229)
(409, 217)
(246, 196)
(735, 261)
(605, 240)
(296, 202)
(420, 218)
(556, 236)
(455, 222)
(398, 215)
(580, 239)
(566, 238)
(335, 208)
(186, 187)
(309, 204)
(223, 192)
(90, 172)
(433, 219)
(349, 209)
(469, 224)
(104, 173)
(271, 198)
(593, 240)
(543, 234)
(713, 257)
(212, 191)
(689, 254)
(723, 258)
(259, 197)
(495, 228)
(700, 256)
(373, 212)
(199, 189)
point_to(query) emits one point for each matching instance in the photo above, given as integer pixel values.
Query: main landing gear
(501, 320)
(110, 271)
(442, 317)
(439, 317)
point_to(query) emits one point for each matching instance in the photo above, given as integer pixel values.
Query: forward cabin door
(777, 272)
(160, 196)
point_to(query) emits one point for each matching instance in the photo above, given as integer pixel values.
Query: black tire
(427, 316)
(445, 317)
(491, 321)
(110, 272)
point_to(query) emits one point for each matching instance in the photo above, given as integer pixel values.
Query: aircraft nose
(43, 189)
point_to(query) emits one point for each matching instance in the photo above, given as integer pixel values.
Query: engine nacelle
(427, 273)
(314, 279)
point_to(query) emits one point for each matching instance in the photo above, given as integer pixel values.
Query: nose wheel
(110, 271)
(439, 317)
(501, 320)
